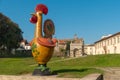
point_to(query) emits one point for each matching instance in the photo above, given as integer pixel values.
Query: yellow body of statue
(42, 49)
(42, 54)
(42, 46)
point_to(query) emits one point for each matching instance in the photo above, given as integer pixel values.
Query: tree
(67, 53)
(10, 33)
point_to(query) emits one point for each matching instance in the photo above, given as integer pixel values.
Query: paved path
(111, 73)
(30, 77)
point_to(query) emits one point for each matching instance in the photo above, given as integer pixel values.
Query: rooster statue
(42, 46)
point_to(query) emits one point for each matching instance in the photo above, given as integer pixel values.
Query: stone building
(109, 44)
(60, 47)
(77, 47)
(72, 47)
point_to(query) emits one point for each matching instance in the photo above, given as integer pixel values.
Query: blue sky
(89, 19)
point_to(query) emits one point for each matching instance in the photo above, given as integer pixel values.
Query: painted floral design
(34, 50)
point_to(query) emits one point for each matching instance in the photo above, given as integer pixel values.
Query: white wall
(90, 49)
(111, 45)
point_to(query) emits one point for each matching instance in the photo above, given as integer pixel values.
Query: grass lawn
(16, 66)
(66, 67)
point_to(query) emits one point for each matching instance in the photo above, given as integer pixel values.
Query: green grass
(65, 67)
(16, 66)
(82, 66)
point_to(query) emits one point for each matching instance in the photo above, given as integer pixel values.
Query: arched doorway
(75, 52)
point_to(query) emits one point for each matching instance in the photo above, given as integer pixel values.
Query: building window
(111, 41)
(108, 42)
(117, 39)
(100, 45)
(97, 45)
(114, 40)
(103, 43)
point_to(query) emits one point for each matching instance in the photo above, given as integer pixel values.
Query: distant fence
(16, 53)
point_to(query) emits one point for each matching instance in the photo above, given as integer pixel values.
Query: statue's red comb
(42, 7)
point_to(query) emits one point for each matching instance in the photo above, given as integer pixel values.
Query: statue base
(43, 71)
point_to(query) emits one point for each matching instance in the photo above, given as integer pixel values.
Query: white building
(106, 45)
(89, 49)
(25, 45)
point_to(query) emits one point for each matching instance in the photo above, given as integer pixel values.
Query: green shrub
(23, 53)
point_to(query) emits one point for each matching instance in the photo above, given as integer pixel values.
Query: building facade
(24, 44)
(109, 44)
(77, 47)
(70, 47)
(89, 49)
